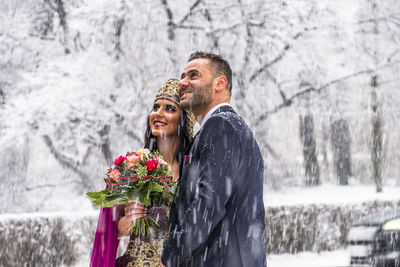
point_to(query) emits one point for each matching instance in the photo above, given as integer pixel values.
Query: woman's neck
(169, 147)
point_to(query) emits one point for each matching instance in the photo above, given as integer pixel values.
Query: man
(217, 218)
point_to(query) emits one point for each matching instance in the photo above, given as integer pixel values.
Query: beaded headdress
(170, 91)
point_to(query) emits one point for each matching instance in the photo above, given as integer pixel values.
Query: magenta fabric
(106, 239)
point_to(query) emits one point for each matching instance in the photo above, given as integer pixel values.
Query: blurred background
(317, 81)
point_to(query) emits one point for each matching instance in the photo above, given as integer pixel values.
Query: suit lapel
(225, 108)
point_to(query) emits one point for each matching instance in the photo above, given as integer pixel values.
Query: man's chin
(185, 104)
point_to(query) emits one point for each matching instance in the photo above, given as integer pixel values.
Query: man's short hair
(219, 65)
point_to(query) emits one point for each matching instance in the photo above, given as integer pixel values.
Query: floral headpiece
(170, 91)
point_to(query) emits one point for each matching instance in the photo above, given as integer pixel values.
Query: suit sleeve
(213, 176)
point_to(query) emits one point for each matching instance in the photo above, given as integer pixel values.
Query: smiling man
(218, 216)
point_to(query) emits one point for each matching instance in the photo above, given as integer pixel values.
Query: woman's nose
(159, 112)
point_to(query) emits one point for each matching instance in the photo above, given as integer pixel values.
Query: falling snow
(316, 81)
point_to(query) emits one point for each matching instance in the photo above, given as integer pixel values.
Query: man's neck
(204, 116)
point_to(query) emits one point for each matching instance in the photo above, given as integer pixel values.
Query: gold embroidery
(146, 250)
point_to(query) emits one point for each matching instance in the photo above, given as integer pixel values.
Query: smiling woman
(169, 131)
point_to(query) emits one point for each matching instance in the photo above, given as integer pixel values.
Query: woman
(169, 130)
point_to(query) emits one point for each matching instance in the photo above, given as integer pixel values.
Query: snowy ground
(325, 194)
(307, 259)
(329, 194)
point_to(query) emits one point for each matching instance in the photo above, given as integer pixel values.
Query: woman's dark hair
(150, 141)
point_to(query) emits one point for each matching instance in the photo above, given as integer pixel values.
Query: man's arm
(216, 170)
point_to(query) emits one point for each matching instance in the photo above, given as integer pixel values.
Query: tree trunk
(341, 141)
(309, 150)
(376, 152)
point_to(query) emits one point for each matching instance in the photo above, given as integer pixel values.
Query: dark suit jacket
(218, 217)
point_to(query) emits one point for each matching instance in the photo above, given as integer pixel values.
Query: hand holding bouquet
(142, 176)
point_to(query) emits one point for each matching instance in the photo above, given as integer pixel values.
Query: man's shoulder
(223, 113)
(226, 116)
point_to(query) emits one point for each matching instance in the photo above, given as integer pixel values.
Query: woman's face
(164, 118)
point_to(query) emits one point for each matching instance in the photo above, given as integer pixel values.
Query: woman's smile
(158, 123)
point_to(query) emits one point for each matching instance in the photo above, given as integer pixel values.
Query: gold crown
(169, 91)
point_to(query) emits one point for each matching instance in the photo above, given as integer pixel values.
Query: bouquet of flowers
(142, 176)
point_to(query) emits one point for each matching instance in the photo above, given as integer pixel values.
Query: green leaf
(141, 171)
(165, 199)
(105, 198)
(155, 187)
(145, 198)
(173, 189)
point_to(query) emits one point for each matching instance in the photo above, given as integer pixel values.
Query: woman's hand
(133, 210)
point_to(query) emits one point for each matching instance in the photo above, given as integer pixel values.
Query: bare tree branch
(384, 18)
(170, 16)
(62, 15)
(195, 4)
(68, 163)
(309, 90)
(118, 32)
(389, 59)
(280, 55)
(189, 27)
(50, 185)
(134, 136)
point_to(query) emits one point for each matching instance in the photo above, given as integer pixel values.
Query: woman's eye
(170, 108)
(156, 107)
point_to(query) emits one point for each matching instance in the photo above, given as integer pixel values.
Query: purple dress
(106, 239)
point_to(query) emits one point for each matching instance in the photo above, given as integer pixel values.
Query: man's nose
(183, 83)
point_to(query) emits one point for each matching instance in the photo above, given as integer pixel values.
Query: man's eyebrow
(183, 75)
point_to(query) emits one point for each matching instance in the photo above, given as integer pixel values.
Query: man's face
(195, 87)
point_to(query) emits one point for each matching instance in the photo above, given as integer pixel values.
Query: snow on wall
(46, 239)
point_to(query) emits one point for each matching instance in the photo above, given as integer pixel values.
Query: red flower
(119, 161)
(151, 165)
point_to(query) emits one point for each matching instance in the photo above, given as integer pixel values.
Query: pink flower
(114, 174)
(160, 160)
(119, 161)
(151, 165)
(133, 160)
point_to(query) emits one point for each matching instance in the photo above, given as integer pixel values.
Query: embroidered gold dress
(145, 250)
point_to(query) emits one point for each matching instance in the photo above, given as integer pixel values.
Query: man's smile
(185, 92)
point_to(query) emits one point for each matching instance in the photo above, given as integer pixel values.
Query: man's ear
(220, 83)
